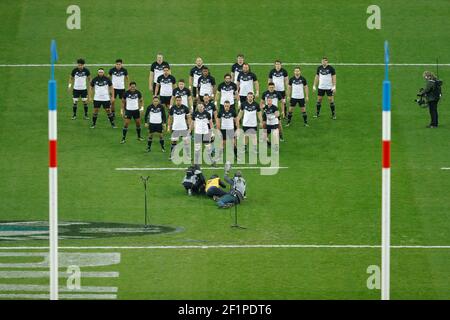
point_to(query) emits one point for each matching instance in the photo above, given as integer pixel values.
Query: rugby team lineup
(201, 110)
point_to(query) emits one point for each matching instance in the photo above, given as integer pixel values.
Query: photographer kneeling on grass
(194, 181)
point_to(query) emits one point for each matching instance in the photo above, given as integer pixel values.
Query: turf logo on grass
(38, 230)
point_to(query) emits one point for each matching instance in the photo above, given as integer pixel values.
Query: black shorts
(165, 100)
(154, 87)
(104, 104)
(119, 92)
(282, 93)
(80, 93)
(249, 128)
(203, 138)
(194, 92)
(155, 128)
(132, 114)
(242, 99)
(321, 92)
(300, 102)
(271, 127)
(227, 134)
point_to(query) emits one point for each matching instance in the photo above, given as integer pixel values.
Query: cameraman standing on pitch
(432, 94)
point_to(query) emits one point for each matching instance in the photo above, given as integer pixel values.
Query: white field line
(45, 274)
(445, 168)
(349, 64)
(183, 169)
(233, 246)
(61, 296)
(44, 288)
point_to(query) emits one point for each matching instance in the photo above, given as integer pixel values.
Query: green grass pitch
(330, 195)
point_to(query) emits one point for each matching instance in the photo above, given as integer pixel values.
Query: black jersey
(184, 93)
(325, 77)
(155, 114)
(227, 119)
(250, 110)
(166, 85)
(275, 95)
(210, 108)
(227, 92)
(195, 73)
(206, 85)
(297, 87)
(179, 115)
(157, 69)
(246, 80)
(101, 86)
(201, 122)
(236, 69)
(269, 114)
(80, 77)
(132, 99)
(118, 77)
(277, 77)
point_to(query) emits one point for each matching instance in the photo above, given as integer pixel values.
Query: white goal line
(344, 64)
(232, 246)
(206, 168)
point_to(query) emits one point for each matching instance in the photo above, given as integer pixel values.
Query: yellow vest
(212, 183)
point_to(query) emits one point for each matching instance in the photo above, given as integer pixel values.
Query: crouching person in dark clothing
(214, 187)
(237, 191)
(194, 181)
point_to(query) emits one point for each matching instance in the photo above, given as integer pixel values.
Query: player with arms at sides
(132, 106)
(119, 78)
(103, 95)
(250, 113)
(270, 122)
(155, 121)
(201, 125)
(183, 92)
(299, 95)
(206, 84)
(226, 91)
(164, 86)
(326, 78)
(227, 123)
(178, 124)
(276, 97)
(79, 79)
(247, 82)
(194, 74)
(210, 107)
(279, 77)
(237, 67)
(156, 69)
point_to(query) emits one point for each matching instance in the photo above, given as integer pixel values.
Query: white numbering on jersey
(74, 18)
(374, 20)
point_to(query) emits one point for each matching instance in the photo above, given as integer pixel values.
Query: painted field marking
(85, 296)
(43, 288)
(445, 168)
(232, 246)
(344, 64)
(45, 274)
(183, 168)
